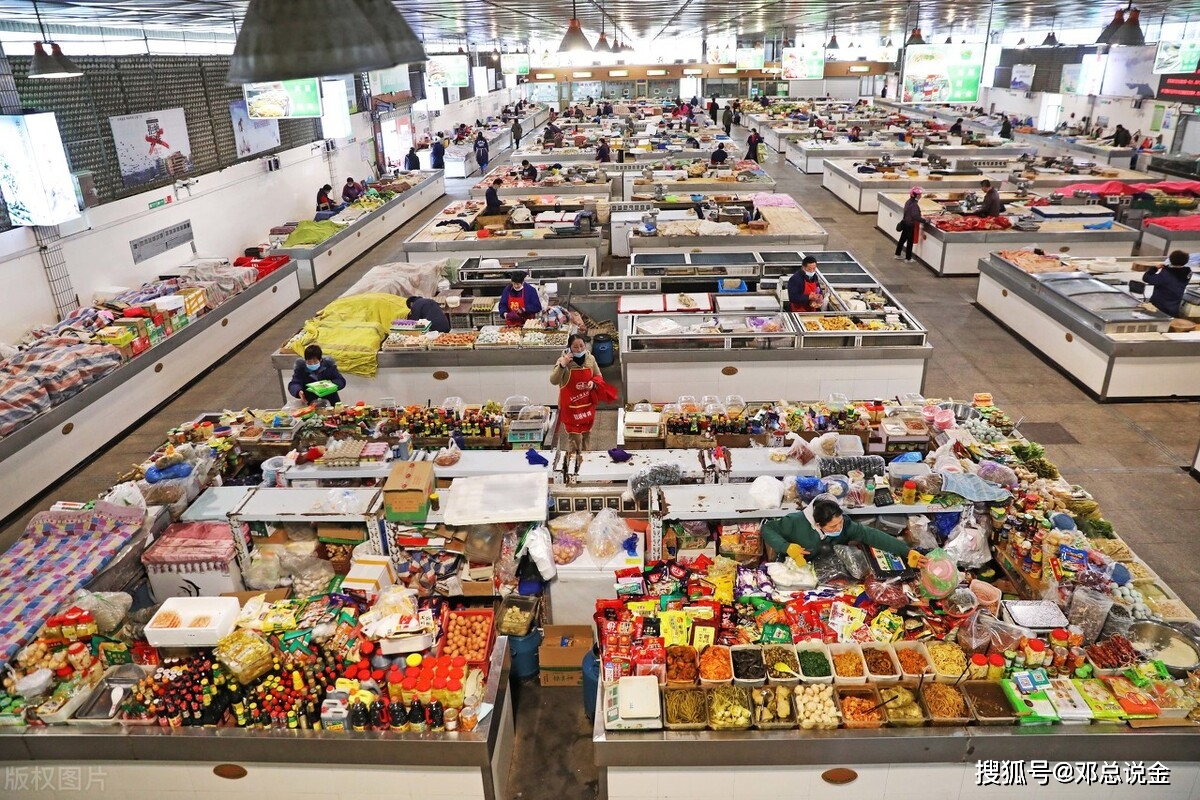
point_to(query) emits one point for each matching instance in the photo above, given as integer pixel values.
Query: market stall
(60, 438)
(1081, 315)
(742, 176)
(318, 262)
(809, 156)
(1077, 147)
(860, 190)
(459, 231)
(1161, 235)
(674, 342)
(1032, 625)
(589, 181)
(768, 220)
(951, 244)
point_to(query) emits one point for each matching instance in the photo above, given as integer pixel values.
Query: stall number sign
(161, 241)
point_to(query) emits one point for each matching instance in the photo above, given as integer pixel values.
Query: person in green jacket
(820, 526)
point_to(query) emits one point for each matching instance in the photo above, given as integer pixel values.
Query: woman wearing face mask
(315, 366)
(822, 525)
(580, 385)
(804, 288)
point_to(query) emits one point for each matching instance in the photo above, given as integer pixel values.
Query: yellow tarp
(352, 329)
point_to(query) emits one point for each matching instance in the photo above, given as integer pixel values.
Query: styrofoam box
(176, 581)
(222, 614)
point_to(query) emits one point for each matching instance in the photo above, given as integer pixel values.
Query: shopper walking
(580, 387)
(727, 119)
(752, 145)
(315, 366)
(713, 108)
(481, 152)
(909, 224)
(437, 153)
(517, 133)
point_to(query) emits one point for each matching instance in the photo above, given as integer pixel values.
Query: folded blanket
(972, 487)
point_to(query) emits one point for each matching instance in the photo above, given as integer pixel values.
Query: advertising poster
(1130, 72)
(514, 63)
(1091, 76)
(1177, 57)
(750, 57)
(803, 64)
(720, 50)
(390, 81)
(283, 99)
(448, 72)
(34, 175)
(947, 73)
(1022, 77)
(252, 136)
(1071, 76)
(152, 146)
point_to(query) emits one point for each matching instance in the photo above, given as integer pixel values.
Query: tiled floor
(1131, 456)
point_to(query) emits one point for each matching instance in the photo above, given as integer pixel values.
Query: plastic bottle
(909, 495)
(977, 670)
(996, 665)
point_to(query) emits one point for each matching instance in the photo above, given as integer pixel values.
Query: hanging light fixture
(1111, 29)
(573, 40)
(286, 39)
(915, 37)
(1130, 34)
(888, 42)
(1022, 42)
(52, 65)
(602, 45)
(1051, 40)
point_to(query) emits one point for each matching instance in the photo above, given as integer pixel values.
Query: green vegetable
(1096, 528)
(813, 664)
(1042, 467)
(1028, 451)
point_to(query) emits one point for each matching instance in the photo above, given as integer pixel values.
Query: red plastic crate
(265, 266)
(485, 613)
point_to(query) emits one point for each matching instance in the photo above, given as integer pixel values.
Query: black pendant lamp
(52, 65)
(915, 37)
(833, 43)
(574, 41)
(1111, 29)
(287, 39)
(1130, 34)
(888, 42)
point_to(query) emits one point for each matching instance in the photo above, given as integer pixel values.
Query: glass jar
(468, 717)
(86, 627)
(439, 691)
(70, 624)
(79, 656)
(454, 694)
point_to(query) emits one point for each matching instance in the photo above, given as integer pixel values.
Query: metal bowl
(962, 411)
(1151, 638)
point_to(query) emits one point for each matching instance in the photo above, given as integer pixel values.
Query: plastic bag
(943, 459)
(997, 473)
(962, 601)
(540, 550)
(605, 535)
(853, 559)
(918, 533)
(788, 577)
(165, 492)
(126, 494)
(829, 569)
(939, 576)
(342, 501)
(767, 492)
(969, 545)
(856, 495)
(264, 572)
(311, 576)
(1089, 609)
(800, 450)
(108, 608)
(575, 524)
(650, 476)
(448, 456)
(154, 474)
(928, 484)
(809, 487)
(982, 632)
(888, 593)
(825, 445)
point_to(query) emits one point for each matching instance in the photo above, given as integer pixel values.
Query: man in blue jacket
(1170, 281)
(481, 152)
(437, 153)
(315, 366)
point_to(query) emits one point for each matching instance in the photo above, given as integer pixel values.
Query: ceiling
(512, 21)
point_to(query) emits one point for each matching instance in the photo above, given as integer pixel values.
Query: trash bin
(602, 349)
(525, 654)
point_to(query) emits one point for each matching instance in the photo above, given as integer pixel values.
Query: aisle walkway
(1130, 456)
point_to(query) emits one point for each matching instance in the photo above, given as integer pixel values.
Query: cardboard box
(562, 664)
(368, 576)
(193, 300)
(139, 345)
(116, 335)
(341, 532)
(406, 491)
(273, 595)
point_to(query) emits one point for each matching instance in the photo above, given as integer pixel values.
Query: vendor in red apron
(804, 288)
(519, 301)
(580, 387)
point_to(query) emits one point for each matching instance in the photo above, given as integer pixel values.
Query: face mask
(313, 367)
(579, 357)
(838, 532)
(812, 274)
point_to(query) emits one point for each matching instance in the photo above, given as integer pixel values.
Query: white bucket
(273, 469)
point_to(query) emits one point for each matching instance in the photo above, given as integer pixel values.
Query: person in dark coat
(424, 308)
(713, 108)
(909, 223)
(412, 162)
(1169, 282)
(481, 152)
(603, 152)
(528, 171)
(992, 205)
(517, 133)
(315, 366)
(804, 288)
(492, 197)
(1006, 128)
(437, 153)
(727, 119)
(720, 155)
(752, 145)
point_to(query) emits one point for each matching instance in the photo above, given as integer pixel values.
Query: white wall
(230, 210)
(1117, 109)
(467, 111)
(842, 88)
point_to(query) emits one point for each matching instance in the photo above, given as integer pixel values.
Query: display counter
(1091, 327)
(785, 227)
(54, 443)
(1160, 240)
(319, 263)
(674, 182)
(809, 156)
(1078, 148)
(437, 241)
(464, 764)
(671, 346)
(860, 191)
(515, 186)
(1064, 230)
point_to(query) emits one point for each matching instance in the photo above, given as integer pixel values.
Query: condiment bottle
(909, 495)
(1059, 637)
(978, 668)
(1035, 653)
(439, 691)
(454, 693)
(397, 716)
(395, 685)
(1074, 636)
(996, 665)
(425, 691)
(416, 716)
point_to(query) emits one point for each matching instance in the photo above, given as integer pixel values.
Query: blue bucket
(602, 349)
(525, 654)
(591, 683)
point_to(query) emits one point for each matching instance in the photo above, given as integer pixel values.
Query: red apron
(575, 402)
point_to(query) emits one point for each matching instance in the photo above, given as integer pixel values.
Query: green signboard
(283, 99)
(448, 71)
(1176, 57)
(514, 63)
(750, 57)
(942, 73)
(803, 63)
